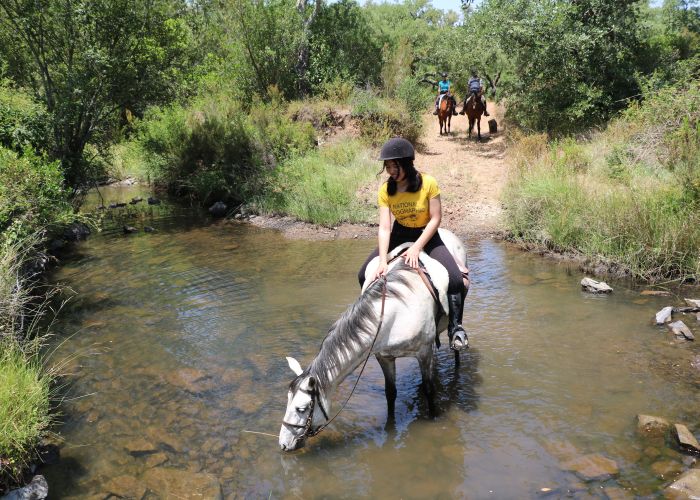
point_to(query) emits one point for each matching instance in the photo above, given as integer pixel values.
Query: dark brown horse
(474, 108)
(445, 113)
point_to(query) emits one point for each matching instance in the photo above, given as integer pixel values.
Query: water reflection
(193, 323)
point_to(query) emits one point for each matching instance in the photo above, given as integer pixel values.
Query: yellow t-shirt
(411, 209)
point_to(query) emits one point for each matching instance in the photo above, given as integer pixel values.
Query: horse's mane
(358, 321)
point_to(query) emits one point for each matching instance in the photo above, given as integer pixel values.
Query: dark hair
(415, 181)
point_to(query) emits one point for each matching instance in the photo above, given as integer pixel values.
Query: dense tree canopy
(562, 65)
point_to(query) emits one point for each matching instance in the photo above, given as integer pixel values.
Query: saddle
(436, 274)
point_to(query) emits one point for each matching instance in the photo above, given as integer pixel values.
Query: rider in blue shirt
(444, 88)
(476, 88)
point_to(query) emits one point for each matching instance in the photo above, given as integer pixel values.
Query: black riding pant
(435, 248)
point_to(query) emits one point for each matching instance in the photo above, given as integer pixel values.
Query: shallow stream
(175, 344)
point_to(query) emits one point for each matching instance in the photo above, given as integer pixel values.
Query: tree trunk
(304, 52)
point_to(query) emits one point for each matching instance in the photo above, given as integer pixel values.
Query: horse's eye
(302, 409)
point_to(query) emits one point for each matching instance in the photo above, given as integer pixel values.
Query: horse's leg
(389, 368)
(426, 360)
(478, 127)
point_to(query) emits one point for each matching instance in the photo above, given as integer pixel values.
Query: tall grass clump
(320, 187)
(381, 118)
(629, 197)
(25, 384)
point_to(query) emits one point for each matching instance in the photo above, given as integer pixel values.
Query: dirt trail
(471, 176)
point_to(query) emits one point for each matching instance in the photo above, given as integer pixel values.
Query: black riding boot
(457, 335)
(486, 113)
(454, 107)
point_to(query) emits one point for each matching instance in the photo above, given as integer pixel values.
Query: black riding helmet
(444, 75)
(396, 148)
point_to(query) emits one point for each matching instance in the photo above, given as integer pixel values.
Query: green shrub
(212, 150)
(202, 151)
(23, 121)
(321, 186)
(382, 118)
(338, 90)
(418, 98)
(32, 195)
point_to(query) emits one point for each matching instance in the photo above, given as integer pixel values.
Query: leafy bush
(23, 121)
(32, 195)
(417, 97)
(381, 118)
(212, 150)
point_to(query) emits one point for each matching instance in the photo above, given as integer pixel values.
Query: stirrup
(459, 340)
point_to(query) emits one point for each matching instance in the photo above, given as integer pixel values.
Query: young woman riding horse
(413, 198)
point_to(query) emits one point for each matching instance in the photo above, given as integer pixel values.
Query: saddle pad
(438, 273)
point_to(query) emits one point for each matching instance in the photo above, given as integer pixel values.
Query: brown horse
(445, 113)
(474, 108)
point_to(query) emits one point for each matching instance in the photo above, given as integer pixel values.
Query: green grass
(24, 407)
(320, 187)
(24, 381)
(628, 197)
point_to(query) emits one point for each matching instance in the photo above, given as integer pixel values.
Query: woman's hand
(381, 270)
(411, 255)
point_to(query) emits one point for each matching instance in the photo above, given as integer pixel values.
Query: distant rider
(476, 88)
(444, 89)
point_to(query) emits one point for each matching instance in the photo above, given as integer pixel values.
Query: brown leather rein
(315, 393)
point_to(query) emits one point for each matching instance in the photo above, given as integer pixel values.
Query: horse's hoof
(459, 341)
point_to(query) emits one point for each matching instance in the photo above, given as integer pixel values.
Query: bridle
(306, 426)
(316, 394)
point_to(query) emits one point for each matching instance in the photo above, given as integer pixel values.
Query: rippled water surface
(175, 345)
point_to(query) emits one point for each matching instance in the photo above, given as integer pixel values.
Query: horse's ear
(294, 365)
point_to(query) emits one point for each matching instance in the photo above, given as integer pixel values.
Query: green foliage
(23, 121)
(573, 61)
(343, 46)
(260, 44)
(381, 118)
(320, 187)
(32, 195)
(213, 150)
(93, 58)
(417, 98)
(629, 196)
(24, 408)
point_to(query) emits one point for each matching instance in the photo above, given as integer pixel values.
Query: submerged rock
(125, 487)
(650, 425)
(135, 200)
(129, 229)
(176, 483)
(655, 293)
(37, 489)
(680, 330)
(593, 286)
(592, 467)
(667, 469)
(153, 201)
(687, 486)
(686, 440)
(664, 315)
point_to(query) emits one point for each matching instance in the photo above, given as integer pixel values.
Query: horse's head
(307, 409)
